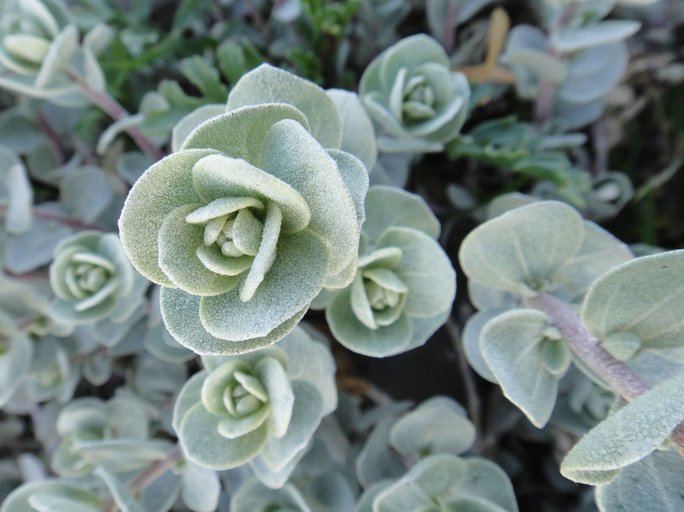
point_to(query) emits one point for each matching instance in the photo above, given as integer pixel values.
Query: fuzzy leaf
(653, 483)
(297, 272)
(514, 347)
(181, 312)
(358, 136)
(267, 84)
(522, 250)
(626, 436)
(162, 188)
(425, 269)
(203, 444)
(643, 297)
(390, 206)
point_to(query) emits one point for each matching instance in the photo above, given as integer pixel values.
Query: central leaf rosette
(235, 394)
(244, 225)
(378, 295)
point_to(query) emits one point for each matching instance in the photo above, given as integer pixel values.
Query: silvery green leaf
(306, 416)
(593, 73)
(640, 297)
(375, 462)
(461, 484)
(276, 479)
(522, 250)
(267, 84)
(201, 488)
(253, 495)
(311, 361)
(411, 93)
(600, 252)
(605, 32)
(485, 298)
(32, 249)
(392, 169)
(131, 165)
(159, 342)
(358, 136)
(122, 496)
(331, 492)
(114, 130)
(15, 192)
(19, 132)
(573, 116)
(191, 121)
(51, 495)
(471, 342)
(653, 483)
(444, 15)
(527, 52)
(15, 359)
(85, 192)
(390, 206)
(627, 436)
(525, 361)
(438, 425)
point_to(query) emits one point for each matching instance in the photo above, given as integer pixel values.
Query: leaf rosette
(113, 434)
(260, 408)
(404, 285)
(443, 483)
(246, 223)
(410, 91)
(38, 41)
(93, 280)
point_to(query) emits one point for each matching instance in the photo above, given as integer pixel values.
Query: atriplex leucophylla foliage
(157, 348)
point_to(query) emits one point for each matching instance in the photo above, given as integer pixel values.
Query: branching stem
(114, 110)
(148, 476)
(625, 381)
(472, 396)
(55, 217)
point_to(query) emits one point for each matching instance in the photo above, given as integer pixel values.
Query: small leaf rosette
(28, 31)
(411, 93)
(444, 483)
(114, 434)
(404, 285)
(246, 223)
(38, 39)
(260, 408)
(93, 280)
(55, 495)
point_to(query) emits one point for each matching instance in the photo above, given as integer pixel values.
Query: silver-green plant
(39, 47)
(245, 224)
(413, 95)
(404, 285)
(530, 269)
(93, 280)
(260, 408)
(570, 67)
